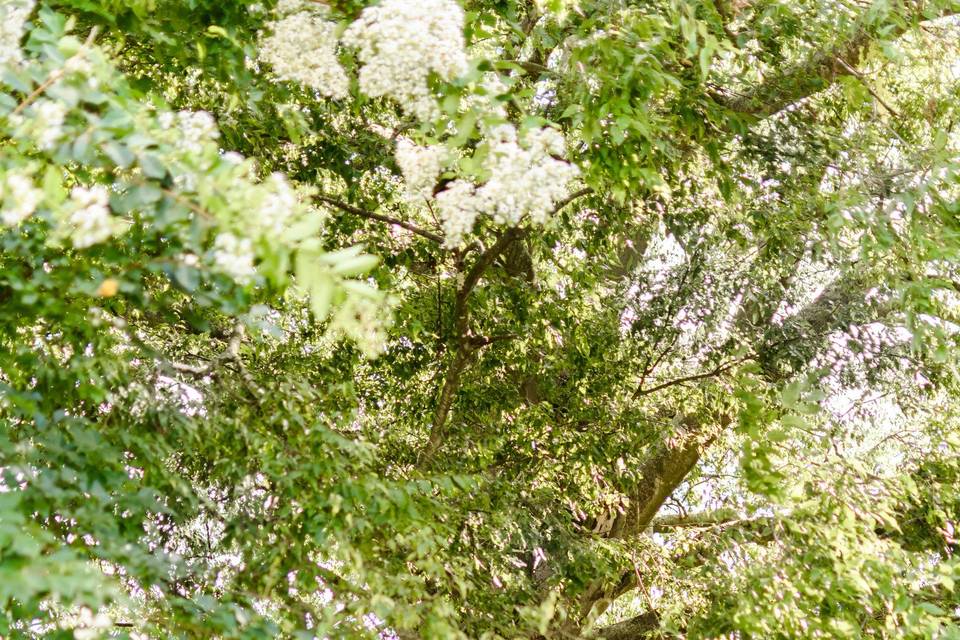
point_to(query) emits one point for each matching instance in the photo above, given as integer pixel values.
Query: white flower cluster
(78, 64)
(233, 157)
(47, 121)
(278, 206)
(13, 16)
(459, 207)
(420, 166)
(525, 179)
(86, 625)
(20, 198)
(303, 48)
(195, 128)
(90, 222)
(401, 42)
(290, 6)
(234, 257)
(483, 98)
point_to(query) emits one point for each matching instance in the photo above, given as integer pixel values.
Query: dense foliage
(509, 318)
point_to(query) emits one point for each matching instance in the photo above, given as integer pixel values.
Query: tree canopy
(544, 319)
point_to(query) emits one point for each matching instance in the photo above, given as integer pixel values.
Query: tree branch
(633, 628)
(663, 471)
(819, 71)
(229, 355)
(673, 460)
(720, 368)
(476, 271)
(467, 346)
(722, 518)
(867, 86)
(570, 198)
(370, 215)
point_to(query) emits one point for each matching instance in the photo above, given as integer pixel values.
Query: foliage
(544, 319)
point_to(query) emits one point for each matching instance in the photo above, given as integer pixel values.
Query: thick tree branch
(798, 82)
(673, 460)
(451, 383)
(570, 198)
(695, 520)
(633, 628)
(779, 90)
(476, 272)
(722, 519)
(465, 346)
(666, 468)
(663, 472)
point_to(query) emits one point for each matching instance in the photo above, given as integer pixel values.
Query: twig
(55, 75)
(193, 206)
(867, 86)
(230, 355)
(533, 68)
(482, 341)
(363, 213)
(640, 392)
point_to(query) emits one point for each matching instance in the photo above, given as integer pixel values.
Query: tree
(546, 319)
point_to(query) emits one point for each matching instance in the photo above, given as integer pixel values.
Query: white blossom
(278, 206)
(20, 198)
(234, 257)
(47, 121)
(197, 125)
(420, 166)
(458, 206)
(194, 128)
(401, 42)
(303, 48)
(78, 64)
(525, 180)
(233, 157)
(289, 6)
(13, 16)
(186, 181)
(90, 222)
(485, 100)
